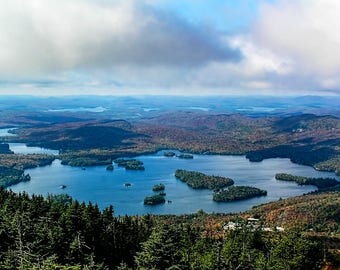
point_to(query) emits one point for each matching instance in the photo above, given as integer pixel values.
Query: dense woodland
(11, 176)
(301, 180)
(12, 167)
(199, 180)
(306, 138)
(236, 193)
(61, 233)
(155, 199)
(130, 164)
(158, 187)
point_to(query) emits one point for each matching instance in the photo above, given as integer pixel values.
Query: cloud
(293, 47)
(306, 32)
(157, 46)
(58, 35)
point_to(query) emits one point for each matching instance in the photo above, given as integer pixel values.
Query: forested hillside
(305, 139)
(61, 233)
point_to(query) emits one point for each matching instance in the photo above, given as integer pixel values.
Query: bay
(22, 148)
(105, 188)
(4, 132)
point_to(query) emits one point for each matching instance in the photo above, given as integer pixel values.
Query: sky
(170, 47)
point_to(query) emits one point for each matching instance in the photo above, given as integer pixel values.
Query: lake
(103, 187)
(22, 148)
(4, 132)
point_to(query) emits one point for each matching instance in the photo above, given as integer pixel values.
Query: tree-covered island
(197, 180)
(301, 180)
(154, 199)
(130, 164)
(185, 156)
(237, 193)
(109, 167)
(169, 154)
(83, 161)
(158, 187)
(157, 198)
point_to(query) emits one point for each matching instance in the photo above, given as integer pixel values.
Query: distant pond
(103, 187)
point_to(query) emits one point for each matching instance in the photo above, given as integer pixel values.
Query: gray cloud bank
(48, 35)
(293, 47)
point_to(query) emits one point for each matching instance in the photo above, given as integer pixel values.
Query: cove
(22, 148)
(105, 188)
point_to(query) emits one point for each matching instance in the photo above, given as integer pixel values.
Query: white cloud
(307, 32)
(257, 60)
(130, 45)
(258, 84)
(58, 35)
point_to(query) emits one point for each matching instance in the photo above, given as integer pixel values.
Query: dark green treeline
(61, 233)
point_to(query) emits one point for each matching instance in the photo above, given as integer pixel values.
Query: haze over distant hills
(130, 107)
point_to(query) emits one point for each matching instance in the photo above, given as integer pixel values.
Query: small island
(197, 180)
(130, 164)
(109, 167)
(301, 180)
(155, 199)
(237, 193)
(159, 187)
(185, 156)
(169, 154)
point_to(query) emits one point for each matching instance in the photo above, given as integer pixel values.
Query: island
(237, 193)
(159, 187)
(185, 156)
(197, 180)
(169, 154)
(153, 200)
(157, 198)
(130, 164)
(301, 180)
(109, 167)
(78, 160)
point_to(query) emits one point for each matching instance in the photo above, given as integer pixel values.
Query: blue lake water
(103, 187)
(22, 148)
(4, 132)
